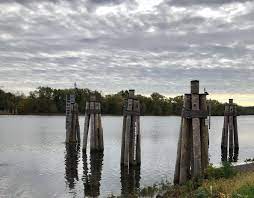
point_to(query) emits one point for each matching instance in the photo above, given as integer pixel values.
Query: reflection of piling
(71, 164)
(131, 148)
(92, 180)
(229, 140)
(72, 120)
(130, 180)
(93, 118)
(192, 151)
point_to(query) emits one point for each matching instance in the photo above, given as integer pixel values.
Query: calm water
(35, 162)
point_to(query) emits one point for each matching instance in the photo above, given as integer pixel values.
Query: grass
(230, 186)
(223, 182)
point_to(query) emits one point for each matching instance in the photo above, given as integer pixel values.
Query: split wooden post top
(195, 87)
(92, 98)
(131, 93)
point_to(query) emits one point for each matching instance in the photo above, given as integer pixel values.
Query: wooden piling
(231, 126)
(131, 148)
(192, 151)
(196, 136)
(138, 138)
(204, 133)
(230, 132)
(185, 140)
(127, 134)
(86, 126)
(178, 156)
(123, 135)
(101, 141)
(72, 120)
(229, 142)
(224, 141)
(236, 142)
(93, 121)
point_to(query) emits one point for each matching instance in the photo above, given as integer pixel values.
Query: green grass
(244, 191)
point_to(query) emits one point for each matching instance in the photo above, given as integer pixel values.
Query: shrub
(201, 193)
(226, 171)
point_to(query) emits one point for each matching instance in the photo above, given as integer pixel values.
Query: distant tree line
(46, 100)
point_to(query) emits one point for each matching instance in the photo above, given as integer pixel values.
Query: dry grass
(228, 186)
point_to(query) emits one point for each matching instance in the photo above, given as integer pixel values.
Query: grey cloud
(203, 2)
(158, 49)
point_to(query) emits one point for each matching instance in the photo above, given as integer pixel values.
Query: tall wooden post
(93, 120)
(229, 139)
(131, 148)
(192, 151)
(72, 120)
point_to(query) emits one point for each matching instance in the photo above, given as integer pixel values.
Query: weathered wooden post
(93, 118)
(229, 139)
(72, 120)
(131, 148)
(192, 151)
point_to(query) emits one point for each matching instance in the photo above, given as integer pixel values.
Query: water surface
(35, 162)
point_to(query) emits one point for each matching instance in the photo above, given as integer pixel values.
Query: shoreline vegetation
(227, 181)
(50, 101)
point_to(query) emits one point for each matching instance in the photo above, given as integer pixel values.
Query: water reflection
(71, 164)
(130, 180)
(232, 156)
(92, 180)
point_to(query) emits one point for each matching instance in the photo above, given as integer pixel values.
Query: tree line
(46, 100)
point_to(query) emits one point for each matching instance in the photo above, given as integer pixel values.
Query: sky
(113, 45)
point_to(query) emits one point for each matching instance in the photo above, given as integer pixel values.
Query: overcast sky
(148, 45)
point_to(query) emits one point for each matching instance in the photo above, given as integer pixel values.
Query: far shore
(82, 114)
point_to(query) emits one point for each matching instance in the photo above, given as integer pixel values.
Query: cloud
(113, 45)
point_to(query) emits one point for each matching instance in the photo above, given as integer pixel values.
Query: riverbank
(226, 181)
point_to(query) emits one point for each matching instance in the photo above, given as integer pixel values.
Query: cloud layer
(109, 45)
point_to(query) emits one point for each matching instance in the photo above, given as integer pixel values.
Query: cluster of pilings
(72, 120)
(93, 120)
(131, 148)
(229, 140)
(192, 151)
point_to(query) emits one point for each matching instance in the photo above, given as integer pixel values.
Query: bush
(226, 171)
(201, 193)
